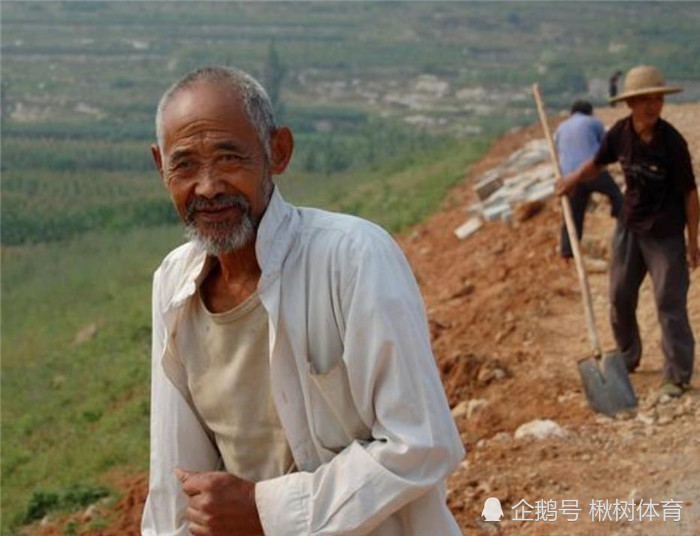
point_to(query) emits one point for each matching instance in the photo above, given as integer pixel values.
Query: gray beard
(221, 237)
(224, 237)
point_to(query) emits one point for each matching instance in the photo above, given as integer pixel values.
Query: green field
(72, 411)
(360, 83)
(389, 103)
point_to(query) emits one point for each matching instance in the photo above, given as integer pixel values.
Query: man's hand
(220, 504)
(565, 185)
(693, 254)
(586, 171)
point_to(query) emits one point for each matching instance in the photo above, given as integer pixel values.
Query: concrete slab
(468, 228)
(501, 211)
(541, 192)
(488, 183)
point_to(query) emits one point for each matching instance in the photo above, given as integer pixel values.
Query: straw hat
(644, 80)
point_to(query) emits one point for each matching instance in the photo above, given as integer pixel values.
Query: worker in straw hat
(660, 200)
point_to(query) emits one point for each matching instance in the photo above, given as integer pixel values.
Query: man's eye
(229, 158)
(183, 165)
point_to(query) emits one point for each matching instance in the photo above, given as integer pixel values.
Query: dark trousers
(603, 184)
(665, 259)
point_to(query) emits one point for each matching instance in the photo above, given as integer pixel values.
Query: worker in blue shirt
(577, 140)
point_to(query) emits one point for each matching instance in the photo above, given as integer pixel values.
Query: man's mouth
(215, 214)
(216, 210)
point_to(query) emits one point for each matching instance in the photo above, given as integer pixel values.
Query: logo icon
(492, 510)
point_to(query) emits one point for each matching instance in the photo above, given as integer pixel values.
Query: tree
(273, 75)
(5, 105)
(564, 78)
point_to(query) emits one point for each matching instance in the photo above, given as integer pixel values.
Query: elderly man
(660, 199)
(293, 386)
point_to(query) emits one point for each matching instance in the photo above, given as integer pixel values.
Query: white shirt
(352, 376)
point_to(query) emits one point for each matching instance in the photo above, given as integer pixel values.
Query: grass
(42, 503)
(73, 411)
(394, 195)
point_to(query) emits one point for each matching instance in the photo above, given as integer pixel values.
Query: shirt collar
(272, 242)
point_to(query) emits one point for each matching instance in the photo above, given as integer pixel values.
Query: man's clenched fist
(220, 504)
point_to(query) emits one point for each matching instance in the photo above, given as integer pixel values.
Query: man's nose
(209, 184)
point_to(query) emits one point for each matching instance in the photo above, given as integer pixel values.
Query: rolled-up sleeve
(397, 390)
(177, 440)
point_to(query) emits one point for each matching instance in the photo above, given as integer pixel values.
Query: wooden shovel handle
(571, 230)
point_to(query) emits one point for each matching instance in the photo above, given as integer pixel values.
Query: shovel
(605, 378)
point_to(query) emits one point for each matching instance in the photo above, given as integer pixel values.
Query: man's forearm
(586, 171)
(692, 214)
(692, 211)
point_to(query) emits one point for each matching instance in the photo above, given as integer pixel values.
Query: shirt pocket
(336, 422)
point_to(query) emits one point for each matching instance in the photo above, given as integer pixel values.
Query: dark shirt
(658, 175)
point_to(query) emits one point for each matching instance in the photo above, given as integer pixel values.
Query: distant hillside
(363, 84)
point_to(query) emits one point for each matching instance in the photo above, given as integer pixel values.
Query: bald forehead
(205, 109)
(205, 98)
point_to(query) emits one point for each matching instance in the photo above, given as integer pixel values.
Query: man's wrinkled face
(214, 165)
(646, 109)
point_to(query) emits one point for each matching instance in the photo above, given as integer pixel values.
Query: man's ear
(157, 160)
(281, 148)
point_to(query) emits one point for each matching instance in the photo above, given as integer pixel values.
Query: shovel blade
(607, 384)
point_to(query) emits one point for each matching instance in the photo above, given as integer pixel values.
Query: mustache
(220, 201)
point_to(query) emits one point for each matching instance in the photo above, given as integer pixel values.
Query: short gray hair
(255, 99)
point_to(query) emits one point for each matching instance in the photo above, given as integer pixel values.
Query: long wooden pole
(571, 230)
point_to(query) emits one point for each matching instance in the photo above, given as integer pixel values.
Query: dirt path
(507, 328)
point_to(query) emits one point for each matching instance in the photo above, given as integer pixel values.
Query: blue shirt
(577, 140)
